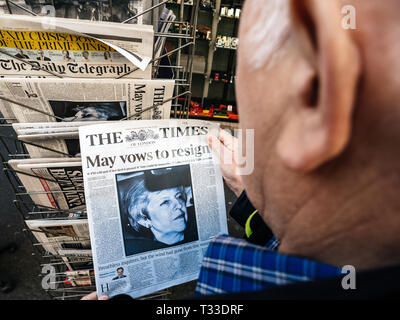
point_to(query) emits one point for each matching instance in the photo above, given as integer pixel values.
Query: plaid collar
(235, 265)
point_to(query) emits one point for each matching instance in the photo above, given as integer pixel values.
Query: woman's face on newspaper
(167, 210)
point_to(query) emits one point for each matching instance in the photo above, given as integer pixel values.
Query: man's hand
(226, 148)
(93, 296)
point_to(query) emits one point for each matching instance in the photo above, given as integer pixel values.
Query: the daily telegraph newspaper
(56, 235)
(55, 183)
(154, 197)
(50, 47)
(84, 99)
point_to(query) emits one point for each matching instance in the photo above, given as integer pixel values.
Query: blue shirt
(235, 265)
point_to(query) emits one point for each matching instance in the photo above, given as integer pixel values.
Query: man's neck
(357, 228)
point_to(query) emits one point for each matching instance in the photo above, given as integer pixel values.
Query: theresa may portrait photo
(157, 208)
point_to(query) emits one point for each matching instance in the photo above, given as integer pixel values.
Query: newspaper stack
(100, 10)
(167, 18)
(58, 75)
(68, 239)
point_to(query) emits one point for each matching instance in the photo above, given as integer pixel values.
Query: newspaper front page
(155, 198)
(51, 47)
(70, 100)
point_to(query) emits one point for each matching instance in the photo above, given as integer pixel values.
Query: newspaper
(51, 139)
(167, 17)
(51, 47)
(155, 198)
(51, 145)
(55, 235)
(100, 10)
(76, 259)
(79, 278)
(52, 183)
(43, 128)
(84, 99)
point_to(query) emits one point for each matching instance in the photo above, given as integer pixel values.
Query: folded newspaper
(51, 100)
(76, 259)
(52, 183)
(79, 278)
(155, 199)
(56, 47)
(56, 235)
(50, 139)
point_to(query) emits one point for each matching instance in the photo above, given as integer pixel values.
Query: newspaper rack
(60, 287)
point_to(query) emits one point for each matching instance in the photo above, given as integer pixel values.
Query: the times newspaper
(154, 197)
(51, 47)
(52, 100)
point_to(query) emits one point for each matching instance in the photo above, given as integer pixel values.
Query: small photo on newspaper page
(154, 198)
(88, 111)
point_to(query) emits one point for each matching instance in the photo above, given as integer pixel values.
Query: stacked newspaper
(69, 100)
(52, 183)
(107, 180)
(59, 74)
(166, 20)
(94, 10)
(63, 237)
(51, 139)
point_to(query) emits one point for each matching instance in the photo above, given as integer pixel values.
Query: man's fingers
(93, 296)
(90, 296)
(225, 155)
(215, 144)
(228, 140)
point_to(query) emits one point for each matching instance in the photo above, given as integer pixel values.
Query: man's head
(324, 103)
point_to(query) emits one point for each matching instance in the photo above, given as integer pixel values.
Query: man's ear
(319, 124)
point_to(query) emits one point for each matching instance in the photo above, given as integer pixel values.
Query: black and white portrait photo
(89, 111)
(157, 208)
(120, 274)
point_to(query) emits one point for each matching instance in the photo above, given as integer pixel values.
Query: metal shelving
(12, 148)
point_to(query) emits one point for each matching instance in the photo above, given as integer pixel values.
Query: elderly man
(323, 101)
